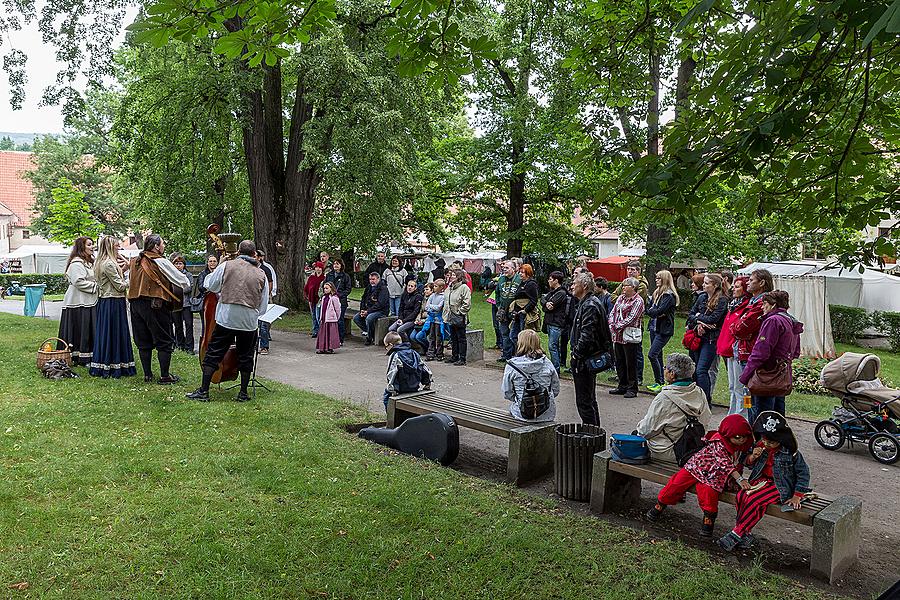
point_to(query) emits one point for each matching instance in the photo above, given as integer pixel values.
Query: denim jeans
(639, 367)
(655, 354)
(496, 325)
(555, 334)
(508, 347)
(515, 328)
(764, 403)
(394, 306)
(736, 389)
(341, 331)
(368, 325)
(706, 355)
(314, 311)
(264, 336)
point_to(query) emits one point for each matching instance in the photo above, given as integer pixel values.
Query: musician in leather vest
(243, 296)
(153, 288)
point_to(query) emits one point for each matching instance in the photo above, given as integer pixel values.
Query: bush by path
(125, 489)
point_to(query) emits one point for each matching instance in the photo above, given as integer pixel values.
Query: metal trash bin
(576, 444)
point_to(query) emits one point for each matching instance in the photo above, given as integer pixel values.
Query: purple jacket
(779, 340)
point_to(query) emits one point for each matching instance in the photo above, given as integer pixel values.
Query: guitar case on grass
(434, 436)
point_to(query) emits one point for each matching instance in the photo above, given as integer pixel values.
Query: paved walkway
(356, 373)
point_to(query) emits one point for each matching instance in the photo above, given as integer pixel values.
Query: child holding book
(778, 474)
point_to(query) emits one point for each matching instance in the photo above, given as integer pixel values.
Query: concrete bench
(835, 521)
(531, 446)
(474, 345)
(348, 320)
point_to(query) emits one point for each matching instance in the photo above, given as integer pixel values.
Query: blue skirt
(113, 355)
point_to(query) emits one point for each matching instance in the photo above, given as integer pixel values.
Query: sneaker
(656, 512)
(459, 363)
(617, 392)
(747, 542)
(729, 541)
(198, 394)
(242, 397)
(708, 525)
(451, 360)
(655, 387)
(320, 352)
(629, 394)
(613, 378)
(264, 351)
(171, 379)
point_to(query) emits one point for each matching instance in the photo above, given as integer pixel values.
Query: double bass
(226, 249)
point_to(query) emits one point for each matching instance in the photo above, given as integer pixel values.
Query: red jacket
(311, 289)
(746, 328)
(725, 343)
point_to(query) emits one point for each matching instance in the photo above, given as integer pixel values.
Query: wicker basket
(43, 356)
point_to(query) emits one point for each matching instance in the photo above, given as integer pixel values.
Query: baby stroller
(867, 411)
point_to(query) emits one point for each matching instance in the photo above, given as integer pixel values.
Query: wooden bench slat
(481, 418)
(661, 472)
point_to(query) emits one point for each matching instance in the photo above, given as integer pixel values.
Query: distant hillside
(21, 138)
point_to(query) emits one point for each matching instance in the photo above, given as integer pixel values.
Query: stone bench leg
(530, 453)
(381, 329)
(396, 416)
(474, 345)
(835, 546)
(611, 491)
(348, 326)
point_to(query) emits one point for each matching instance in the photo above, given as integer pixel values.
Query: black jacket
(556, 317)
(664, 313)
(376, 299)
(700, 313)
(376, 267)
(410, 305)
(528, 289)
(590, 331)
(342, 284)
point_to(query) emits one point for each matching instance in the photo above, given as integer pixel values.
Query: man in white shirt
(243, 295)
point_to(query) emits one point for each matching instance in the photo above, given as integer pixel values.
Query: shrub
(847, 322)
(807, 372)
(56, 282)
(889, 324)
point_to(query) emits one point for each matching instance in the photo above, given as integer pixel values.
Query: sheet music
(275, 311)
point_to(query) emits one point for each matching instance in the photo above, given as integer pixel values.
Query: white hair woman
(625, 325)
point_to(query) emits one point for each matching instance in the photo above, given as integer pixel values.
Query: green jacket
(506, 290)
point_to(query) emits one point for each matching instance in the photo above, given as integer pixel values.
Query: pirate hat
(774, 426)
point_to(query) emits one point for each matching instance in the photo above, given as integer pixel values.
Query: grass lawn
(121, 489)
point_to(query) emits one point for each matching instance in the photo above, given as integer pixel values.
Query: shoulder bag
(775, 381)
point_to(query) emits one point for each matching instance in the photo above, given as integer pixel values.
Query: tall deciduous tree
(69, 216)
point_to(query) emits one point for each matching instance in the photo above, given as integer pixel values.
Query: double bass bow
(226, 249)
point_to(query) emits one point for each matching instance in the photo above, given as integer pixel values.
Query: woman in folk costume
(113, 355)
(76, 324)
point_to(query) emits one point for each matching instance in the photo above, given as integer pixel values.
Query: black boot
(656, 512)
(709, 524)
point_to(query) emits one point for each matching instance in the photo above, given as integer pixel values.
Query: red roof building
(17, 196)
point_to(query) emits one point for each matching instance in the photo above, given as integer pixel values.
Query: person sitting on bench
(375, 303)
(778, 474)
(667, 416)
(405, 369)
(530, 361)
(710, 468)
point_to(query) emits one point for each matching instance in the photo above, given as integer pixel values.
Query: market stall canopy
(613, 268)
(41, 258)
(789, 268)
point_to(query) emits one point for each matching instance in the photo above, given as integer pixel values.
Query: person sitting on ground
(667, 416)
(375, 303)
(710, 469)
(405, 370)
(530, 360)
(410, 305)
(778, 474)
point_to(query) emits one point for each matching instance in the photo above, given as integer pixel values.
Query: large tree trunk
(515, 218)
(282, 195)
(658, 238)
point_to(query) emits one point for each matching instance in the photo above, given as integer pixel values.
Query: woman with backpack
(528, 375)
(679, 401)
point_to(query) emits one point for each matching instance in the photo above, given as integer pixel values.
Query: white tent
(42, 259)
(790, 268)
(808, 305)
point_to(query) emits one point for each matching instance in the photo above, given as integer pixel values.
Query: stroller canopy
(848, 368)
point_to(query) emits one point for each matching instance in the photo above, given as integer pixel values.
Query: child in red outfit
(709, 469)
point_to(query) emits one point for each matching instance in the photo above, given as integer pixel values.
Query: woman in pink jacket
(329, 336)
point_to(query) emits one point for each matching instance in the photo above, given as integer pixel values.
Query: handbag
(535, 398)
(456, 320)
(776, 381)
(632, 335)
(629, 449)
(691, 341)
(602, 361)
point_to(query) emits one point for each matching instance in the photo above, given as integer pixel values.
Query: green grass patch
(124, 489)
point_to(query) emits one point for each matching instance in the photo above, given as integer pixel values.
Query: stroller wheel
(884, 448)
(830, 435)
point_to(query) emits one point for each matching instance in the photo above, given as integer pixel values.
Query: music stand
(274, 312)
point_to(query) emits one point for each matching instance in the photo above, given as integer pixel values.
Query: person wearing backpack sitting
(711, 469)
(677, 418)
(405, 370)
(530, 379)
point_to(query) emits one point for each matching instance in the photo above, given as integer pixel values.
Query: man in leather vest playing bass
(243, 296)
